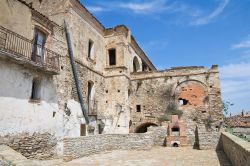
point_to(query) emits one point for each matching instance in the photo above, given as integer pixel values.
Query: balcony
(92, 108)
(24, 51)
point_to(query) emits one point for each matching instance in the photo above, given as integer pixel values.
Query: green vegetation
(242, 136)
(163, 118)
(226, 105)
(177, 112)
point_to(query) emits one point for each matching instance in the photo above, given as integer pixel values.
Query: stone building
(123, 91)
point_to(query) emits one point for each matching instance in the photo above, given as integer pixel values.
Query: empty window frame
(36, 89)
(138, 108)
(38, 46)
(90, 49)
(112, 57)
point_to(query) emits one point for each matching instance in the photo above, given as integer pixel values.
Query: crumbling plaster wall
(16, 17)
(148, 91)
(20, 116)
(18, 113)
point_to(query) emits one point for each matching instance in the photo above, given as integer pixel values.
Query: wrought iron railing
(92, 107)
(18, 45)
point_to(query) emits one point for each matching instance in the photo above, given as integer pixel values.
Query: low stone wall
(36, 146)
(87, 145)
(158, 134)
(236, 149)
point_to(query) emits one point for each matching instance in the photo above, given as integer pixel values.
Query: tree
(226, 105)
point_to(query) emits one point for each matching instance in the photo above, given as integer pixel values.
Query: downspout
(77, 83)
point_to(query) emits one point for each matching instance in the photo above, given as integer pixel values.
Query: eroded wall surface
(198, 86)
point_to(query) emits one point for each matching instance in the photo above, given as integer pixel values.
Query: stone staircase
(9, 156)
(208, 139)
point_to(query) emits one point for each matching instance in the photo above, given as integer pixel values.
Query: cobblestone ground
(156, 157)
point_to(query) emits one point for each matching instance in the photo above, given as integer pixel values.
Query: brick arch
(142, 127)
(191, 93)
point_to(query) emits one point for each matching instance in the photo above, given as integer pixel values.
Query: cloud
(242, 44)
(236, 70)
(96, 9)
(144, 7)
(211, 16)
(235, 81)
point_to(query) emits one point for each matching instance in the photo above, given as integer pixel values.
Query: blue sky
(190, 33)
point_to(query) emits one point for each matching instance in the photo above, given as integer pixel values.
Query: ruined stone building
(123, 91)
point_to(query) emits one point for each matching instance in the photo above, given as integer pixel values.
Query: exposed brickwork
(194, 93)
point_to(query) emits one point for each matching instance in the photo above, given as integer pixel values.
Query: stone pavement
(158, 156)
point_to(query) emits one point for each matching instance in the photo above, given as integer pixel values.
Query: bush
(177, 112)
(163, 118)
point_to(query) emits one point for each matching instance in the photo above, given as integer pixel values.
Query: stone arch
(136, 64)
(142, 128)
(189, 80)
(191, 93)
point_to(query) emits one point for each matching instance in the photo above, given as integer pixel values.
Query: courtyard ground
(158, 156)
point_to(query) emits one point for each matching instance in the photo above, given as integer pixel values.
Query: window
(183, 101)
(38, 46)
(112, 57)
(36, 89)
(138, 108)
(90, 49)
(136, 65)
(144, 67)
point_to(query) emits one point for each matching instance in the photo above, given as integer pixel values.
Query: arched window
(136, 65)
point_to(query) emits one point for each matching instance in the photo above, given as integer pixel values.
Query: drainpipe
(77, 83)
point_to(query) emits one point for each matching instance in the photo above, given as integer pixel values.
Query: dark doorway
(175, 145)
(144, 127)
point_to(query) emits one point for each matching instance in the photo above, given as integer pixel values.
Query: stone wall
(236, 149)
(83, 146)
(208, 139)
(154, 91)
(38, 146)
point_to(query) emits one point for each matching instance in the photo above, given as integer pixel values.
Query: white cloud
(236, 70)
(144, 7)
(147, 7)
(211, 16)
(235, 81)
(96, 9)
(242, 44)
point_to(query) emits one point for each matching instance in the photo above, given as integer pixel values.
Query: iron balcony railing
(18, 45)
(92, 107)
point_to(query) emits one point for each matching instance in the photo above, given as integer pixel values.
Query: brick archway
(142, 128)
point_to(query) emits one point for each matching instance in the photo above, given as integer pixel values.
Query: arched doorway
(143, 128)
(136, 65)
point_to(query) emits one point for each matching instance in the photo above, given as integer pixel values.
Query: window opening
(112, 57)
(90, 49)
(138, 108)
(36, 89)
